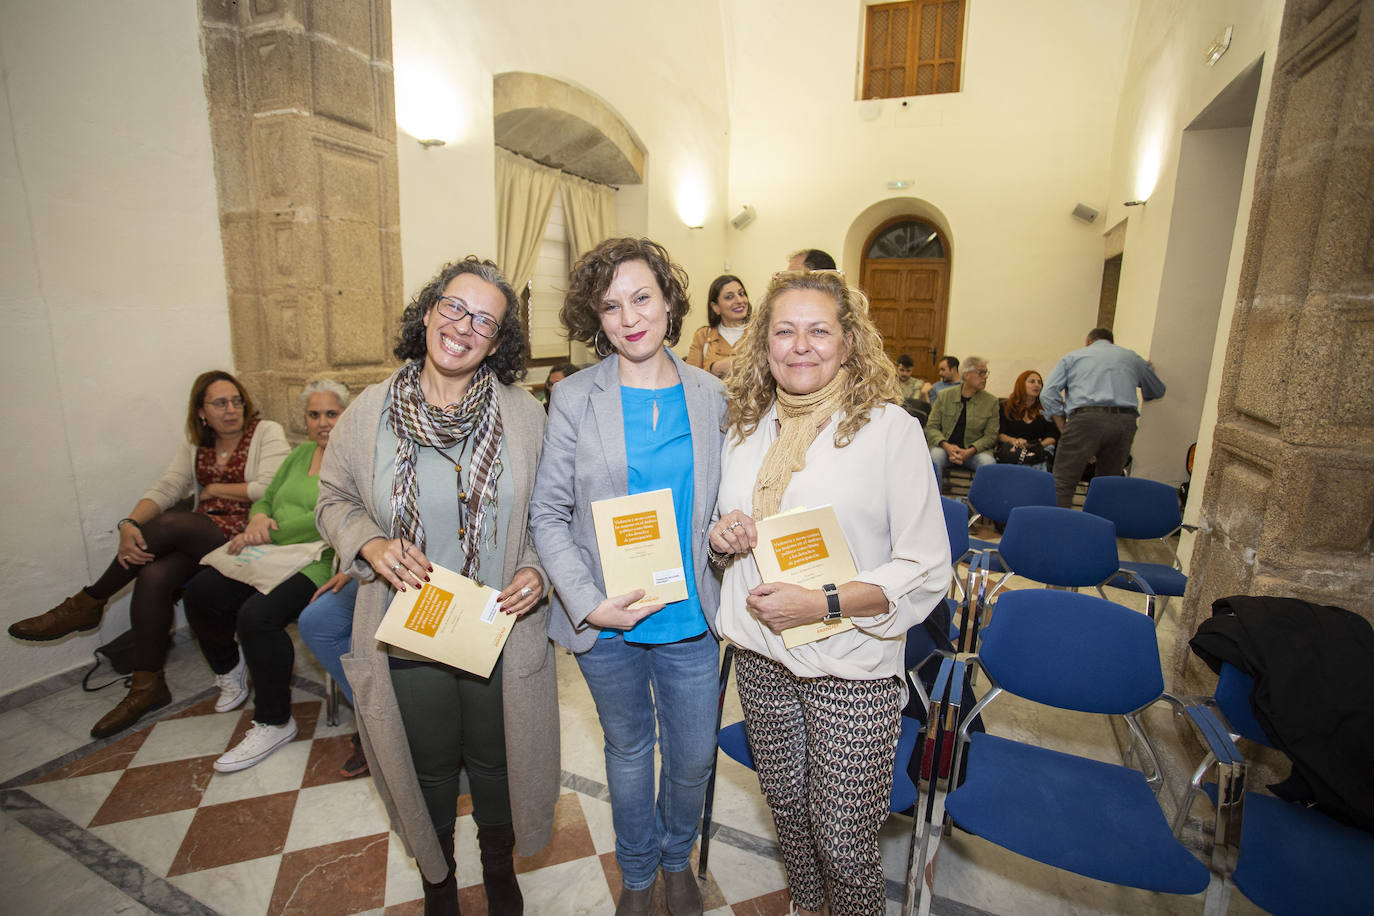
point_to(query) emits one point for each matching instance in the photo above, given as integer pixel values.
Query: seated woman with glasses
(226, 462)
(814, 421)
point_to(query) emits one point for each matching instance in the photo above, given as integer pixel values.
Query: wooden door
(909, 298)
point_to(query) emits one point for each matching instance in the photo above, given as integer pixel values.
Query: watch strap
(832, 602)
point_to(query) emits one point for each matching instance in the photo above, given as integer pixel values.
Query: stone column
(304, 134)
(1288, 504)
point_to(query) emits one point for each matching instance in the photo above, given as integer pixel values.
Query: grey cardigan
(529, 681)
(584, 460)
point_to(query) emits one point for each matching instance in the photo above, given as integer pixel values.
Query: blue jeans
(630, 683)
(940, 457)
(326, 626)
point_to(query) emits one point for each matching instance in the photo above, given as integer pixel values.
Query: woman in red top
(226, 463)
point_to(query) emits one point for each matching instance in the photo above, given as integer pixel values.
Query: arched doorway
(905, 272)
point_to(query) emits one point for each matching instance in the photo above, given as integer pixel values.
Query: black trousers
(218, 608)
(454, 718)
(177, 540)
(1104, 436)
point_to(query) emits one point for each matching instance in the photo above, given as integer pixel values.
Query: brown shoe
(148, 693)
(635, 903)
(79, 612)
(683, 893)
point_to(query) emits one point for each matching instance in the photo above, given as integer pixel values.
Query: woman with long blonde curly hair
(813, 420)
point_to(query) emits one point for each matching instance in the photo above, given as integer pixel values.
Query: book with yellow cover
(805, 547)
(637, 538)
(450, 619)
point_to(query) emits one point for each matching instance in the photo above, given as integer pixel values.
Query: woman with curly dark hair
(1025, 435)
(437, 463)
(641, 420)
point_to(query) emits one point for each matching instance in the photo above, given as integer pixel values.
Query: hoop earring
(596, 344)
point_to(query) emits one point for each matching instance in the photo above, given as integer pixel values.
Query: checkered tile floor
(291, 835)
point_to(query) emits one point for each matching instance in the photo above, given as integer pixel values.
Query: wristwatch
(832, 602)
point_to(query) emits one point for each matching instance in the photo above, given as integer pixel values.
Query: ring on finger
(397, 569)
(733, 525)
(526, 592)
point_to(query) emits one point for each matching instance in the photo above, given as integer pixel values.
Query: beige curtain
(588, 213)
(524, 196)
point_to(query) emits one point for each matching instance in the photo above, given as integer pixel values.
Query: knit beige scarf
(801, 417)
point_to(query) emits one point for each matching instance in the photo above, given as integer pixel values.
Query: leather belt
(1099, 408)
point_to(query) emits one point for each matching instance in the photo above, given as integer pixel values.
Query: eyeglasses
(235, 402)
(454, 310)
(977, 372)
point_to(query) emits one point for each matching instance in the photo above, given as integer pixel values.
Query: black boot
(442, 899)
(498, 871)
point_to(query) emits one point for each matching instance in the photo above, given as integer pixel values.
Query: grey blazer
(584, 460)
(529, 682)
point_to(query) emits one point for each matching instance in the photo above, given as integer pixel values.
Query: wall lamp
(427, 144)
(1134, 203)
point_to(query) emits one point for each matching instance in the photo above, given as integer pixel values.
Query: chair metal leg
(331, 701)
(726, 658)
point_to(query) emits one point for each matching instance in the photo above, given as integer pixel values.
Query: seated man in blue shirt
(1094, 388)
(948, 367)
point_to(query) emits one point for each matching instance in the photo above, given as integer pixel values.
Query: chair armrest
(1143, 585)
(1231, 775)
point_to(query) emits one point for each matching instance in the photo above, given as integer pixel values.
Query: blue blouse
(659, 458)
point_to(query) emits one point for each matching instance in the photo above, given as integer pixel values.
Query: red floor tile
(235, 832)
(156, 789)
(778, 903)
(339, 878)
(327, 755)
(571, 838)
(112, 757)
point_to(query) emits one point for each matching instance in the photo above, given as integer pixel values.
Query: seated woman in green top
(217, 607)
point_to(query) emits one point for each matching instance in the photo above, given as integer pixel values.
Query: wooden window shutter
(912, 48)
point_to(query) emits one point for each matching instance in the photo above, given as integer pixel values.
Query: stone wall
(304, 132)
(1288, 505)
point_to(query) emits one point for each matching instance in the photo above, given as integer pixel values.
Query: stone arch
(564, 127)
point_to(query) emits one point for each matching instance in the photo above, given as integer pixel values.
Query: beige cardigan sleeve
(266, 452)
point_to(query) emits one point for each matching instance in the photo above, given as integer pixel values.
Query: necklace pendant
(463, 496)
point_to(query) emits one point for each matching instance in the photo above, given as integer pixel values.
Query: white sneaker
(256, 746)
(233, 687)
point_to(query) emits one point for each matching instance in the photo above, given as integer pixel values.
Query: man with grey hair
(1090, 393)
(962, 429)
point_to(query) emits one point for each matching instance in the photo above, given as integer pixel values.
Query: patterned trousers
(824, 749)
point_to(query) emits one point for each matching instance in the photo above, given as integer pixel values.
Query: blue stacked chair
(999, 488)
(1142, 510)
(1284, 857)
(1064, 549)
(1081, 653)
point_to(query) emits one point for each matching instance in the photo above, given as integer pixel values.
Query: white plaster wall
(1167, 86)
(1211, 170)
(112, 286)
(659, 66)
(1004, 160)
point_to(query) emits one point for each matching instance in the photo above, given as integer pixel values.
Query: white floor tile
(76, 799)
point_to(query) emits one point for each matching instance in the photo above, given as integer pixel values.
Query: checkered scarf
(418, 423)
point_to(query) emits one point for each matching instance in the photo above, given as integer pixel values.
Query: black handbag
(119, 653)
(1033, 453)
